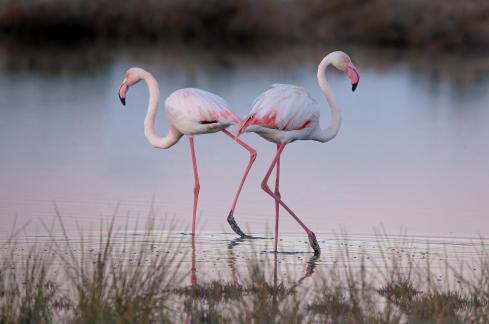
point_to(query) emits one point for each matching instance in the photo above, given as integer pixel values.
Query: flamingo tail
(243, 124)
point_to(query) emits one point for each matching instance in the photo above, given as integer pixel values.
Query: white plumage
(196, 111)
(292, 106)
(283, 113)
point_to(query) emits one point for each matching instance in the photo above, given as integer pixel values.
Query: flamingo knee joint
(253, 156)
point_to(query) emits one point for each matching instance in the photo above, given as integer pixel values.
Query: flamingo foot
(235, 226)
(314, 244)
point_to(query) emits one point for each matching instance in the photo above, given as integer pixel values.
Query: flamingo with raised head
(189, 112)
(287, 113)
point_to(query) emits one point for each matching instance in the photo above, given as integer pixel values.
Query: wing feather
(200, 106)
(284, 107)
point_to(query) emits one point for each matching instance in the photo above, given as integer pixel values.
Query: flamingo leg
(277, 193)
(264, 184)
(231, 220)
(196, 183)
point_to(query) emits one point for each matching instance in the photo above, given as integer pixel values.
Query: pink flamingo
(189, 112)
(286, 113)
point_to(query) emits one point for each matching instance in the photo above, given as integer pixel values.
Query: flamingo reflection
(243, 245)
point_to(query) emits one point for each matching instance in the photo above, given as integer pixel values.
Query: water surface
(412, 153)
(220, 256)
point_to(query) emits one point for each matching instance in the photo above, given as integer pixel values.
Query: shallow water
(412, 153)
(220, 256)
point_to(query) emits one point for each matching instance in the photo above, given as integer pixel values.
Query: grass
(416, 23)
(119, 278)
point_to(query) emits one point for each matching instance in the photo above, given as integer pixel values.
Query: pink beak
(353, 74)
(122, 92)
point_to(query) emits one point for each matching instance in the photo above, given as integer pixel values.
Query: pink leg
(264, 184)
(277, 193)
(196, 183)
(252, 152)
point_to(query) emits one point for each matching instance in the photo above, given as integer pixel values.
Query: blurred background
(412, 153)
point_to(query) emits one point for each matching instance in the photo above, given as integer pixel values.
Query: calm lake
(412, 154)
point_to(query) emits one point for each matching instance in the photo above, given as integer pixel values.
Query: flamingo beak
(122, 92)
(353, 74)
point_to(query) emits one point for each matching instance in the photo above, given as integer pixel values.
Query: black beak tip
(354, 86)
(123, 101)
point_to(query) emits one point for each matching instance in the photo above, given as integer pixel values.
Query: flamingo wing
(283, 107)
(199, 106)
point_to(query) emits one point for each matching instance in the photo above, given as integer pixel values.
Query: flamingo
(189, 112)
(287, 113)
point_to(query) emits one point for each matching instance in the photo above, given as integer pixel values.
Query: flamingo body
(282, 114)
(194, 111)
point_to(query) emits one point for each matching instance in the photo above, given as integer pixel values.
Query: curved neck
(324, 135)
(149, 122)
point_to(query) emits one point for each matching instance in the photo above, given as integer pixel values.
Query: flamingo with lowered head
(189, 112)
(286, 113)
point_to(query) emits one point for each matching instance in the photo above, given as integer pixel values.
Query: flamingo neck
(325, 135)
(149, 122)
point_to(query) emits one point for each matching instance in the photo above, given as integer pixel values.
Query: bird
(189, 112)
(286, 113)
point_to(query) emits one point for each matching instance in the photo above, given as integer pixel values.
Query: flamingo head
(132, 76)
(342, 62)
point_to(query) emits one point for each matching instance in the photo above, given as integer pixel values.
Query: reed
(122, 276)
